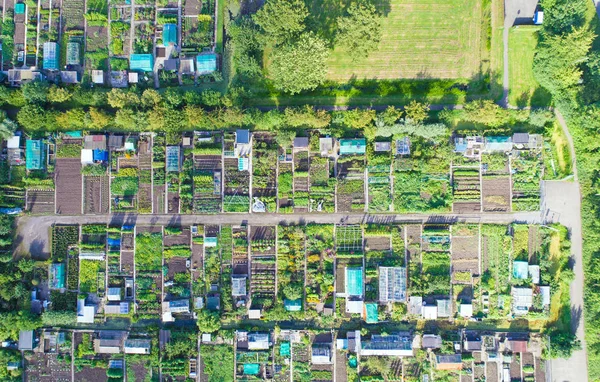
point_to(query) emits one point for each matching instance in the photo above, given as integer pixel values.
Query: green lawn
(523, 88)
(420, 39)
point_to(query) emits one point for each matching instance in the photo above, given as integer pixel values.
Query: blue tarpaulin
(100, 155)
(114, 242)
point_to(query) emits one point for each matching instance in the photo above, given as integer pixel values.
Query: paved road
(33, 231)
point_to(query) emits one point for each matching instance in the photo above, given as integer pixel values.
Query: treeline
(42, 108)
(567, 63)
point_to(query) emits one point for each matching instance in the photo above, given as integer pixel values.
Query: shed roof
(169, 34)
(300, 142)
(353, 146)
(98, 77)
(26, 340)
(534, 273)
(520, 138)
(206, 63)
(403, 146)
(186, 66)
(143, 62)
(13, 142)
(431, 341)
(325, 145)
(69, 77)
(242, 136)
(19, 8)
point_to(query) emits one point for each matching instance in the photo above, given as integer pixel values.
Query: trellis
(349, 238)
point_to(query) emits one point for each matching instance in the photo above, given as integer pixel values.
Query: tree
(306, 116)
(58, 95)
(36, 91)
(360, 30)
(284, 138)
(72, 119)
(7, 128)
(34, 118)
(378, 365)
(558, 60)
(390, 115)
(562, 15)
(281, 19)
(357, 119)
(151, 98)
(562, 344)
(119, 98)
(13, 322)
(300, 65)
(208, 322)
(99, 119)
(292, 291)
(416, 112)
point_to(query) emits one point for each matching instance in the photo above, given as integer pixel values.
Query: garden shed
(169, 34)
(98, 77)
(173, 158)
(141, 62)
(353, 146)
(50, 56)
(431, 341)
(34, 154)
(137, 346)
(69, 77)
(448, 362)
(444, 307)
(206, 63)
(19, 8)
(258, 341)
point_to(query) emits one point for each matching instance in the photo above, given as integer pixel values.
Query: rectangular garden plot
(176, 253)
(148, 271)
(264, 173)
(291, 254)
(216, 362)
(527, 168)
(320, 258)
(40, 201)
(495, 183)
(379, 181)
(351, 184)
(158, 174)
(176, 357)
(496, 247)
(208, 173)
(322, 184)
(96, 194)
(285, 189)
(301, 182)
(466, 190)
(263, 266)
(68, 185)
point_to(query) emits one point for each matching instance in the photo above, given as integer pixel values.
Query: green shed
(19, 8)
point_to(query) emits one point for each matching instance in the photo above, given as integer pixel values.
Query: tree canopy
(299, 65)
(359, 31)
(281, 19)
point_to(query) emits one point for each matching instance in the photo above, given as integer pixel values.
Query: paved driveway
(562, 203)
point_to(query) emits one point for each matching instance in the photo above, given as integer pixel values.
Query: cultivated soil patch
(496, 194)
(68, 186)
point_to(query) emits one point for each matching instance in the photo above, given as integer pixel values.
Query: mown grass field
(420, 39)
(524, 90)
